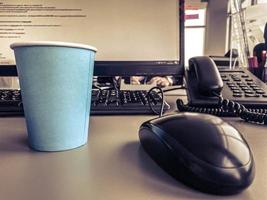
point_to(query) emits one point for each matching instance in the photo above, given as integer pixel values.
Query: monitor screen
(137, 37)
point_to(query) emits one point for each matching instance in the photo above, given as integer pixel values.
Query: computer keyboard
(125, 102)
(102, 102)
(10, 102)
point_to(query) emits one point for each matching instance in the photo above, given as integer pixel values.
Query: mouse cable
(116, 83)
(163, 102)
(226, 108)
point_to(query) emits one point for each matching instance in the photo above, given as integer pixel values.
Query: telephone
(224, 92)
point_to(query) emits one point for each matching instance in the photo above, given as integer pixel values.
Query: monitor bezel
(133, 68)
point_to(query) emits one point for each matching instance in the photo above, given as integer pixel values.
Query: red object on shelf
(253, 62)
(263, 56)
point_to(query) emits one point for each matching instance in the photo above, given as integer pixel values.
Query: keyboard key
(249, 79)
(249, 91)
(234, 87)
(236, 79)
(255, 87)
(244, 76)
(237, 95)
(260, 92)
(237, 91)
(251, 95)
(231, 84)
(241, 84)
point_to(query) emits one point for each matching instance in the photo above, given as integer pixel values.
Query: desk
(112, 166)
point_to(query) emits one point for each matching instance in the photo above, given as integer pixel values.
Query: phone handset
(203, 81)
(206, 74)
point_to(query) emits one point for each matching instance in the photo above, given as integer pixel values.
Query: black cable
(162, 100)
(228, 108)
(116, 83)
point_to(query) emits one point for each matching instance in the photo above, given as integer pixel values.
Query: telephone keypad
(242, 85)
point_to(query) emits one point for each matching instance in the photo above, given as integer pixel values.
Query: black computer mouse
(200, 150)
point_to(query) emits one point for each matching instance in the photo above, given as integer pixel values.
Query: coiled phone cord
(227, 107)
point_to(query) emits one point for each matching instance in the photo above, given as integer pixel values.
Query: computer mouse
(200, 150)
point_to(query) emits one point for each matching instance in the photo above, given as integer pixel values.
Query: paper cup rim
(52, 43)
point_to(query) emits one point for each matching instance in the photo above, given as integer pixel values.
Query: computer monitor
(140, 37)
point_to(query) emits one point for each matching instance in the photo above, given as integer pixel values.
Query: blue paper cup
(56, 82)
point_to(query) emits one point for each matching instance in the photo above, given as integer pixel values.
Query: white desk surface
(112, 166)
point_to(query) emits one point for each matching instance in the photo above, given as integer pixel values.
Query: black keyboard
(10, 102)
(102, 102)
(125, 102)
